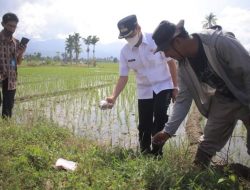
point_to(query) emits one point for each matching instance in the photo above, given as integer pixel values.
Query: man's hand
(174, 94)
(160, 137)
(111, 101)
(20, 51)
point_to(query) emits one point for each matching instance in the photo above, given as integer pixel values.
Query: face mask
(134, 40)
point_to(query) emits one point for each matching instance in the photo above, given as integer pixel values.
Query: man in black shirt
(214, 71)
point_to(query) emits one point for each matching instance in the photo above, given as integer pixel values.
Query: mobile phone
(24, 41)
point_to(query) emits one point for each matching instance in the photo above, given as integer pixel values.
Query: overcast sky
(51, 19)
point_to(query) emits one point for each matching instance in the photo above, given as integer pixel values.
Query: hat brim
(162, 47)
(125, 35)
(157, 50)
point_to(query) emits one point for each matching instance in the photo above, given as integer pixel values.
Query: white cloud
(52, 19)
(33, 21)
(61, 36)
(237, 20)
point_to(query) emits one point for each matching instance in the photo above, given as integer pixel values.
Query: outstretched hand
(111, 101)
(174, 94)
(160, 138)
(21, 49)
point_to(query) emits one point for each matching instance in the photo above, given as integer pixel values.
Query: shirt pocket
(134, 64)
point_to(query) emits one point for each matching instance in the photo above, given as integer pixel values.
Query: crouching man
(214, 71)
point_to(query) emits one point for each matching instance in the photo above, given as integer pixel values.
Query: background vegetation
(29, 152)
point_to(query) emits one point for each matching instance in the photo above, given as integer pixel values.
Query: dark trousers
(7, 100)
(152, 119)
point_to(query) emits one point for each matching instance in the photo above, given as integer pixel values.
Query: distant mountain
(51, 47)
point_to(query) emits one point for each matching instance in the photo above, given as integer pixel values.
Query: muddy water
(117, 127)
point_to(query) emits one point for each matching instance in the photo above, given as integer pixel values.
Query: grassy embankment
(28, 153)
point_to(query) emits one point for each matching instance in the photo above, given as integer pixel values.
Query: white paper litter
(66, 164)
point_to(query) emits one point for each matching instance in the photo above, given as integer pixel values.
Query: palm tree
(87, 42)
(69, 46)
(210, 20)
(94, 40)
(76, 45)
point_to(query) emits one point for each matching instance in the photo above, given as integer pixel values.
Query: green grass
(28, 153)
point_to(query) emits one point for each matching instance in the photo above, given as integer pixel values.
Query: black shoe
(157, 149)
(145, 151)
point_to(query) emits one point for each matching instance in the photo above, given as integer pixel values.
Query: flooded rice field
(74, 105)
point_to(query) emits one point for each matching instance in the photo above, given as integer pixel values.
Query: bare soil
(193, 129)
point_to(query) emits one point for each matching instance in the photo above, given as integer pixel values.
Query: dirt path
(193, 129)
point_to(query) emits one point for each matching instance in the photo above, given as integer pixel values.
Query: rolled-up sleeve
(123, 66)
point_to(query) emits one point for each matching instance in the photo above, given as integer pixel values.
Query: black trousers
(7, 100)
(152, 119)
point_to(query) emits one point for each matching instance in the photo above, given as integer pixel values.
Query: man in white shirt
(155, 78)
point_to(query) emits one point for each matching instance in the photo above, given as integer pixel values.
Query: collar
(144, 40)
(4, 38)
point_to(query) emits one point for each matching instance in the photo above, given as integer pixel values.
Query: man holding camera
(11, 53)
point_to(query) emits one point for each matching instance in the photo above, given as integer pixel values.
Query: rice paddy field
(69, 96)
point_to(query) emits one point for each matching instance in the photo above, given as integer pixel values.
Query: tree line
(73, 47)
